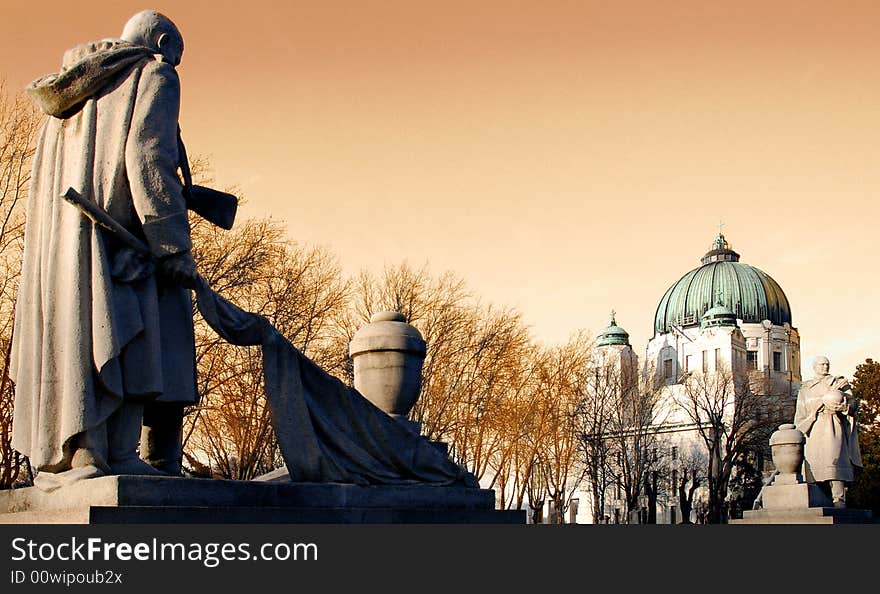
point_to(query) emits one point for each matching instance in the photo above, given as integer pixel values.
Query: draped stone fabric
(87, 332)
(327, 431)
(832, 448)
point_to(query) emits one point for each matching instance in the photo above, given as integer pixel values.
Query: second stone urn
(787, 449)
(388, 354)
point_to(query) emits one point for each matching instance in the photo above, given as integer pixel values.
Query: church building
(722, 315)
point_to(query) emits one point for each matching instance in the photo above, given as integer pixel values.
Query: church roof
(751, 294)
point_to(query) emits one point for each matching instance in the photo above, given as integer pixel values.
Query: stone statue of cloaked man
(100, 333)
(826, 415)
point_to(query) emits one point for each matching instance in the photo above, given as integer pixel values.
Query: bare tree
(10, 460)
(639, 459)
(489, 378)
(516, 463)
(560, 393)
(19, 122)
(601, 384)
(300, 291)
(732, 419)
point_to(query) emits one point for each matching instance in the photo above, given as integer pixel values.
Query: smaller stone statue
(826, 415)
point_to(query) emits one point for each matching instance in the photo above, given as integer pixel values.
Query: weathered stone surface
(793, 496)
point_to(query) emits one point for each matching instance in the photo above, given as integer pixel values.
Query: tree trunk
(686, 496)
(686, 508)
(651, 494)
(536, 511)
(598, 499)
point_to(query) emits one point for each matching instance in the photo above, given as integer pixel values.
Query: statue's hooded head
(157, 32)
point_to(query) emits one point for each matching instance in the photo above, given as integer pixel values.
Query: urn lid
(787, 434)
(387, 331)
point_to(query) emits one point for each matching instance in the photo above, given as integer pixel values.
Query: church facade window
(573, 511)
(752, 360)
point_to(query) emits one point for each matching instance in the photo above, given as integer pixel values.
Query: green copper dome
(723, 280)
(612, 335)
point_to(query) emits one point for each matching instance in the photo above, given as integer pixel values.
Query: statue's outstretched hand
(180, 269)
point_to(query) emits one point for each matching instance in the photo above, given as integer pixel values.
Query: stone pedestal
(163, 500)
(806, 515)
(794, 496)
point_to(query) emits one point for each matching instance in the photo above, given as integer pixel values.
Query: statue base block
(793, 496)
(163, 500)
(810, 515)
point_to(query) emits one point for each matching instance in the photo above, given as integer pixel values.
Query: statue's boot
(838, 493)
(161, 437)
(123, 435)
(88, 460)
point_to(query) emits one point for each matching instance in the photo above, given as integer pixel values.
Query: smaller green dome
(720, 315)
(613, 335)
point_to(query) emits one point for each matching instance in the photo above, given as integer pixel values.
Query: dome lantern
(720, 251)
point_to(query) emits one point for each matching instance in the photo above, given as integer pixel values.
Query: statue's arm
(151, 159)
(850, 405)
(806, 412)
(841, 383)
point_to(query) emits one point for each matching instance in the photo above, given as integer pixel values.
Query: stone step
(807, 515)
(261, 515)
(143, 499)
(282, 515)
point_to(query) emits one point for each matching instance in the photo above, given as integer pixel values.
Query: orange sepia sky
(564, 157)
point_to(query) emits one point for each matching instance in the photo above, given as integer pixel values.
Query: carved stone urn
(787, 448)
(388, 354)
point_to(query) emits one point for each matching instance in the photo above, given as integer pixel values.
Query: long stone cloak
(90, 329)
(832, 448)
